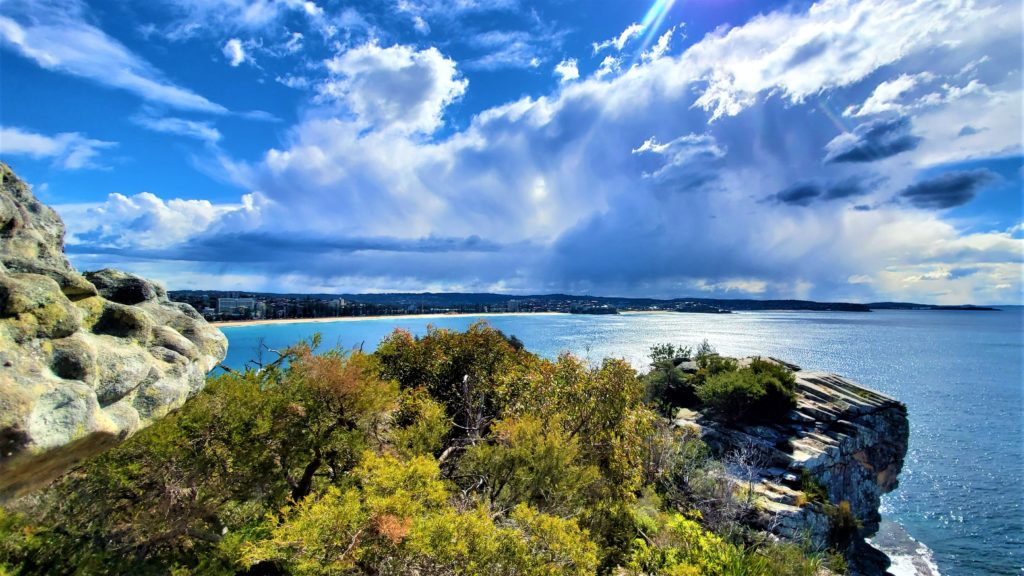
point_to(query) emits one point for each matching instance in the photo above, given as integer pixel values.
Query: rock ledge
(850, 439)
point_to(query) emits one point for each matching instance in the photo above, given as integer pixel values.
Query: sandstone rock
(100, 354)
(851, 439)
(122, 287)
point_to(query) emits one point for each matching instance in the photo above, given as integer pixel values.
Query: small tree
(668, 386)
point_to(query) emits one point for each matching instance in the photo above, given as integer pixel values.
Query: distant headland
(239, 306)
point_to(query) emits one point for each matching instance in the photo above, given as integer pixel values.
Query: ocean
(960, 503)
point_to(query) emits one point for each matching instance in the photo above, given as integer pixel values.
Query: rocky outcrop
(842, 437)
(101, 353)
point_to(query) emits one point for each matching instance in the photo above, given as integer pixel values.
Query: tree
(529, 461)
(668, 386)
(464, 371)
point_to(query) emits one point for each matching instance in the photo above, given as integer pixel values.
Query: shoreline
(330, 319)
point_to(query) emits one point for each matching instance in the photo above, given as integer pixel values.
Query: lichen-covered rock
(848, 438)
(102, 353)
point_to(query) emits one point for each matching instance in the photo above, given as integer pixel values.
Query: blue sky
(831, 150)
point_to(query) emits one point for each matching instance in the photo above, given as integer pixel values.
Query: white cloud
(234, 52)
(69, 150)
(834, 44)
(661, 47)
(508, 49)
(456, 8)
(609, 66)
(397, 87)
(619, 42)
(232, 16)
(567, 70)
(145, 221)
(294, 43)
(57, 36)
(420, 25)
(204, 131)
(886, 95)
(619, 182)
(297, 82)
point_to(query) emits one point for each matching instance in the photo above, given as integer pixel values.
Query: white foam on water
(909, 557)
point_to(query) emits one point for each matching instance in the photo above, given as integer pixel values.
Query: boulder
(85, 359)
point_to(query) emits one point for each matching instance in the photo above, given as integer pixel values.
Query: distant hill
(913, 306)
(554, 301)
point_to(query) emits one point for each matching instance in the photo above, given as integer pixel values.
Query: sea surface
(961, 374)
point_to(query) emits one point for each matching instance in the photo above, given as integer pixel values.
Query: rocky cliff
(85, 359)
(843, 438)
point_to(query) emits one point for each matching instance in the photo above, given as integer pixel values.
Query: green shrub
(762, 392)
(731, 396)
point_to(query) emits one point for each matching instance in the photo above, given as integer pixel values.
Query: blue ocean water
(961, 375)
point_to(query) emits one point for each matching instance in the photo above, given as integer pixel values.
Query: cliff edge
(839, 450)
(85, 359)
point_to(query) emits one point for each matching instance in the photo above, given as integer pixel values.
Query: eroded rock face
(101, 353)
(852, 440)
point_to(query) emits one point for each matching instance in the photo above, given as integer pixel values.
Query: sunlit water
(960, 374)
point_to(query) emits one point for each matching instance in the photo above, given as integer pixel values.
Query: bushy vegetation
(453, 453)
(761, 392)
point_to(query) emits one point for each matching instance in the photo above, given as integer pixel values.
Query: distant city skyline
(838, 150)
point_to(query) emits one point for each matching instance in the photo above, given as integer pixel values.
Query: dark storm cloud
(262, 247)
(948, 190)
(872, 141)
(799, 195)
(805, 194)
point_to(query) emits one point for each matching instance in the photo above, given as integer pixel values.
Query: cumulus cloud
(144, 221)
(833, 45)
(649, 181)
(873, 141)
(947, 190)
(69, 150)
(56, 35)
(567, 70)
(234, 52)
(396, 87)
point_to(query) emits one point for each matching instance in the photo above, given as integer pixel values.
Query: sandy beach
(235, 323)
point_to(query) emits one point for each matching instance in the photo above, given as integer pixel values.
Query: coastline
(330, 319)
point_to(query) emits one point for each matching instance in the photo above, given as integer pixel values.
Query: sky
(832, 150)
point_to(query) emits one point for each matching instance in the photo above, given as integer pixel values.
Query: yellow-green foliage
(420, 424)
(397, 519)
(678, 545)
(530, 461)
(455, 453)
